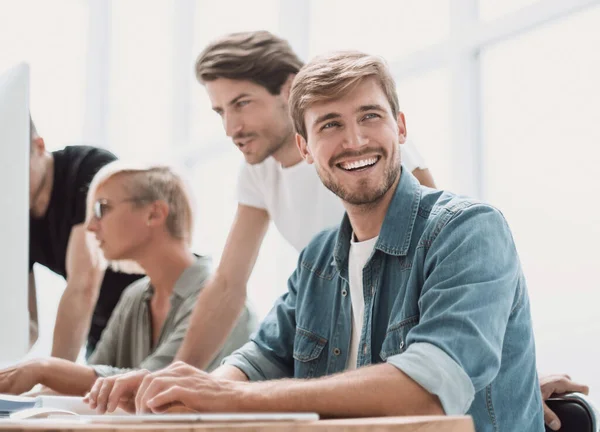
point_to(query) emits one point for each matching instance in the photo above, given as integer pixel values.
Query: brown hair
(334, 75)
(257, 56)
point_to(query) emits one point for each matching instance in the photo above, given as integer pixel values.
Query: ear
(287, 87)
(401, 127)
(159, 211)
(303, 148)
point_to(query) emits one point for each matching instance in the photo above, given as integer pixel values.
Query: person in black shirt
(58, 241)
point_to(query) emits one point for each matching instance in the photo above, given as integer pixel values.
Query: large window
(491, 9)
(52, 38)
(541, 99)
(392, 29)
(425, 102)
(141, 80)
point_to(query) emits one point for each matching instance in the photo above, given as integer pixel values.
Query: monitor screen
(14, 213)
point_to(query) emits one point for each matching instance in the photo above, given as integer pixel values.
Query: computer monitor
(14, 213)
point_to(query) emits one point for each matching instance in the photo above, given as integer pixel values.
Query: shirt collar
(396, 231)
(190, 281)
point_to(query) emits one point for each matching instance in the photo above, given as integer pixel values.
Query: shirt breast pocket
(308, 353)
(395, 338)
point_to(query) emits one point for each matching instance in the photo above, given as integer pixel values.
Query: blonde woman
(143, 222)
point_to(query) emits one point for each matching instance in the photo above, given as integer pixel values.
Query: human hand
(557, 384)
(116, 391)
(84, 260)
(181, 386)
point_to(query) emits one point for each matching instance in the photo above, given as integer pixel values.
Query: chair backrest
(576, 413)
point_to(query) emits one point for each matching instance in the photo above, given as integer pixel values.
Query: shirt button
(365, 349)
(344, 293)
(337, 351)
(401, 344)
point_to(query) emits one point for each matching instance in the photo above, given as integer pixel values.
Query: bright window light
(541, 99)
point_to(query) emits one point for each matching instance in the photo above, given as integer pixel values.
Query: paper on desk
(70, 403)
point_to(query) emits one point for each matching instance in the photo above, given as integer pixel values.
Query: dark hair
(257, 56)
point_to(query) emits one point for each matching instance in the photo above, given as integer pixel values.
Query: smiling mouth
(359, 165)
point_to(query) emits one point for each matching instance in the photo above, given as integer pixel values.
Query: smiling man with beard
(416, 304)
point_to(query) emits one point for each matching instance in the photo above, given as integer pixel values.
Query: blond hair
(334, 75)
(145, 185)
(258, 56)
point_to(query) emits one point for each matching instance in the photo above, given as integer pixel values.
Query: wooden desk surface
(384, 424)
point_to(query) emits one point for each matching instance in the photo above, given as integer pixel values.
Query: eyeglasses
(102, 206)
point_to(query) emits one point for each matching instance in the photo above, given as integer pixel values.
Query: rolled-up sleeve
(106, 371)
(436, 372)
(257, 367)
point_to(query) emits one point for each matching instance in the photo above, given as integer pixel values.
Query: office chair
(576, 413)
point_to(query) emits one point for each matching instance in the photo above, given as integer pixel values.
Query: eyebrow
(326, 117)
(232, 101)
(373, 107)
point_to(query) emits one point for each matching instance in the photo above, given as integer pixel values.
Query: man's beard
(275, 141)
(364, 196)
(278, 142)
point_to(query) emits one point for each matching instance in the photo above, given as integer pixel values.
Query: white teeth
(358, 164)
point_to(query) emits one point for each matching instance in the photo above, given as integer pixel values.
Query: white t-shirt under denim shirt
(360, 252)
(296, 200)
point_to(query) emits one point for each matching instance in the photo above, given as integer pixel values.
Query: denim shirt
(445, 302)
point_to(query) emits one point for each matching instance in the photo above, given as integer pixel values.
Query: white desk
(384, 424)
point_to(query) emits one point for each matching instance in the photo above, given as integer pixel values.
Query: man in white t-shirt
(248, 77)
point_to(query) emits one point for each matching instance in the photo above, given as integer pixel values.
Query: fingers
(109, 393)
(141, 391)
(103, 395)
(550, 418)
(174, 370)
(124, 389)
(557, 384)
(92, 397)
(171, 397)
(156, 386)
(127, 405)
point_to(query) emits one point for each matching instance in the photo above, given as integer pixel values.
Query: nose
(92, 224)
(354, 136)
(232, 124)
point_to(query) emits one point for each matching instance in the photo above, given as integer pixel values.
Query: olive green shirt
(126, 342)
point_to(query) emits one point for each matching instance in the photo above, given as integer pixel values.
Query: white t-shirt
(296, 200)
(360, 253)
